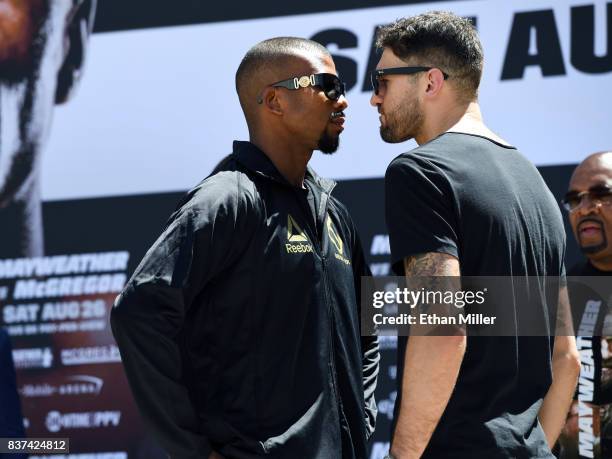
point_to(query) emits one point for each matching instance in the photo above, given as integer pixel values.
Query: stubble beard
(328, 143)
(403, 124)
(595, 248)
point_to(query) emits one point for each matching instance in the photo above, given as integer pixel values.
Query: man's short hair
(438, 39)
(270, 56)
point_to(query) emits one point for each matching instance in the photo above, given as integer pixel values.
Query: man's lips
(338, 119)
(589, 228)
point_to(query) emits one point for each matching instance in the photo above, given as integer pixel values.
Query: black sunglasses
(376, 74)
(597, 194)
(331, 85)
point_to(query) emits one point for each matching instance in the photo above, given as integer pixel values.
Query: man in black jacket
(239, 331)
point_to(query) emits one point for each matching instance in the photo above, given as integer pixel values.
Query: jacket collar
(257, 161)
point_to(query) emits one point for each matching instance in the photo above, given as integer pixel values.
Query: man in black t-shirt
(589, 205)
(467, 203)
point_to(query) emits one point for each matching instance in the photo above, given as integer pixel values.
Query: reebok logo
(297, 242)
(294, 232)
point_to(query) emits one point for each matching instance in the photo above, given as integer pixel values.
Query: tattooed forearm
(435, 272)
(431, 264)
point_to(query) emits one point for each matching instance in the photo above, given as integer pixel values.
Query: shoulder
(423, 159)
(418, 171)
(225, 188)
(225, 195)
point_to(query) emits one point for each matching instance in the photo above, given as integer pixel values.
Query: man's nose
(588, 206)
(375, 100)
(342, 103)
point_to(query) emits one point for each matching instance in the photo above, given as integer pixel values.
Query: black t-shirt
(592, 314)
(487, 205)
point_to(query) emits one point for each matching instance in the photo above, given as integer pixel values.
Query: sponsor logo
(337, 242)
(299, 248)
(41, 357)
(56, 421)
(75, 385)
(87, 355)
(334, 238)
(294, 231)
(297, 242)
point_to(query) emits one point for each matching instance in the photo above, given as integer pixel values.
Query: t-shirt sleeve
(419, 211)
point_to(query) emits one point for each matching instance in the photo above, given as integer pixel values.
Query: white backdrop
(157, 108)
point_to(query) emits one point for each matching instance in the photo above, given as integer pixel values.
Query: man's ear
(435, 80)
(76, 35)
(270, 100)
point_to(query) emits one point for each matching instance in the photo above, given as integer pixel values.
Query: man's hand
(215, 455)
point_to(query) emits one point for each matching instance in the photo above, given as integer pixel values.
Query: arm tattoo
(431, 264)
(436, 272)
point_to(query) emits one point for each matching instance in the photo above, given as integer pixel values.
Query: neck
(440, 121)
(23, 234)
(290, 159)
(605, 264)
(460, 118)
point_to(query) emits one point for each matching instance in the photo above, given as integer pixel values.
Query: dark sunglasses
(600, 195)
(331, 85)
(376, 74)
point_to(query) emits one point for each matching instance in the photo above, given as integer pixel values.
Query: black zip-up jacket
(240, 329)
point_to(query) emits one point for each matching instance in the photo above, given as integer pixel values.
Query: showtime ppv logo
(57, 421)
(75, 385)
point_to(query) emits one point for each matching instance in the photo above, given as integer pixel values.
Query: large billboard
(104, 124)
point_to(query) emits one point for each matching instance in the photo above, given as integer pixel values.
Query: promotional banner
(104, 125)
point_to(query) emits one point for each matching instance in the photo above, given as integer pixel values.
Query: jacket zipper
(322, 211)
(332, 349)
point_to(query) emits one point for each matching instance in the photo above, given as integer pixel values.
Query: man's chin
(593, 249)
(391, 137)
(329, 145)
